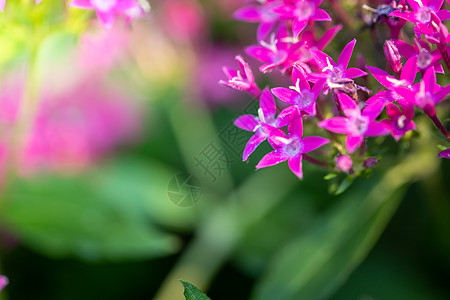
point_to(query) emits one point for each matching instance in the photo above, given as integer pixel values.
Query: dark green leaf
(191, 292)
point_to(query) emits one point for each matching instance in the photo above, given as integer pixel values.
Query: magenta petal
(321, 15)
(297, 75)
(264, 30)
(271, 159)
(249, 14)
(317, 88)
(373, 110)
(443, 14)
(404, 48)
(354, 73)
(246, 68)
(295, 127)
(445, 154)
(381, 76)
(284, 117)
(298, 26)
(276, 136)
(441, 94)
(2, 5)
(106, 18)
(286, 95)
(409, 70)
(429, 79)
(295, 164)
(376, 129)
(346, 53)
(392, 111)
(348, 105)
(259, 52)
(336, 124)
(267, 103)
(252, 143)
(353, 142)
(246, 122)
(328, 36)
(311, 143)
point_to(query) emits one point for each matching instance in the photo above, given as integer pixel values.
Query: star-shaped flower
(301, 12)
(336, 75)
(241, 80)
(290, 147)
(300, 95)
(356, 124)
(252, 123)
(399, 122)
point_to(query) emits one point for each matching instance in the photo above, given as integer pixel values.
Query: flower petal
(348, 105)
(267, 103)
(336, 124)
(376, 129)
(246, 122)
(346, 53)
(295, 164)
(445, 154)
(295, 127)
(311, 143)
(354, 73)
(409, 70)
(286, 95)
(353, 142)
(393, 111)
(248, 14)
(252, 143)
(271, 159)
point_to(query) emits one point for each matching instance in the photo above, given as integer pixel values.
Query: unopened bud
(393, 56)
(370, 162)
(344, 163)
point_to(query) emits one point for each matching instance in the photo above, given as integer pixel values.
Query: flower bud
(370, 162)
(344, 163)
(445, 154)
(393, 56)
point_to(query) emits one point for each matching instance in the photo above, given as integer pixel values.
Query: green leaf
(330, 176)
(345, 184)
(92, 216)
(191, 292)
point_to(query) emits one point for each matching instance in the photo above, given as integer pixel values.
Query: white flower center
(104, 5)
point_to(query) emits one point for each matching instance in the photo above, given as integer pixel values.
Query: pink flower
(301, 12)
(241, 81)
(3, 282)
(399, 122)
(421, 50)
(336, 75)
(262, 14)
(300, 95)
(290, 147)
(251, 123)
(357, 125)
(107, 10)
(425, 94)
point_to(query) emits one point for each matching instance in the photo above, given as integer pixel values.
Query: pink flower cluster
(323, 92)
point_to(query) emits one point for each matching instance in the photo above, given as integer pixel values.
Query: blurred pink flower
(183, 19)
(107, 10)
(3, 282)
(77, 128)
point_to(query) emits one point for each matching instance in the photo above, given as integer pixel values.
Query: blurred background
(121, 172)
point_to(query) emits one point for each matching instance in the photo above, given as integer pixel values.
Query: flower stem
(315, 161)
(439, 125)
